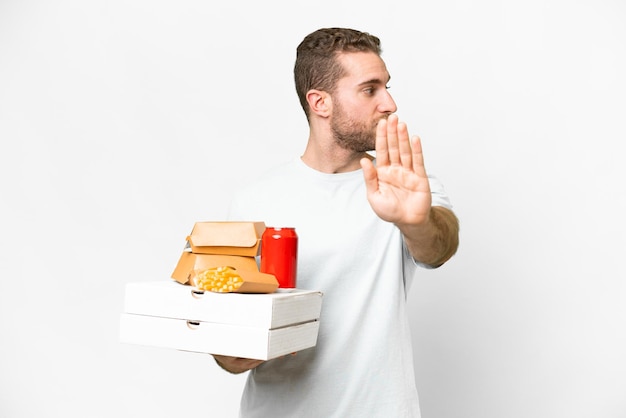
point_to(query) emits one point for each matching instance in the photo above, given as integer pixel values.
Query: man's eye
(387, 87)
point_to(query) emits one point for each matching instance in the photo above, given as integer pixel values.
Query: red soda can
(279, 255)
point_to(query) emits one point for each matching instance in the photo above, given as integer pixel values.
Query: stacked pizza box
(258, 320)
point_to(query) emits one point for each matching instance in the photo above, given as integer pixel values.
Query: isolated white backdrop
(124, 122)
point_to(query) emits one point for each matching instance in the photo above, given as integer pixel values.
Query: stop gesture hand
(397, 186)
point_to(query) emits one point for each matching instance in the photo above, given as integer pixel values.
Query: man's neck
(332, 159)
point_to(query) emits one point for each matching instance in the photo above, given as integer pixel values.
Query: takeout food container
(166, 298)
(228, 238)
(257, 320)
(253, 280)
(167, 314)
(225, 244)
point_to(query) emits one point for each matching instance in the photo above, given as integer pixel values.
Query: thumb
(370, 175)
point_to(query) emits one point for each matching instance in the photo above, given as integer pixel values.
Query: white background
(124, 122)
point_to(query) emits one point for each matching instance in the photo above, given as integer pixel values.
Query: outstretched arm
(398, 190)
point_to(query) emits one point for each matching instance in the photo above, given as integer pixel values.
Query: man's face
(361, 100)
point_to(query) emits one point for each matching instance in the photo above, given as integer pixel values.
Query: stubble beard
(352, 135)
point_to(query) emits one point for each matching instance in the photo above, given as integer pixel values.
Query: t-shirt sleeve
(438, 193)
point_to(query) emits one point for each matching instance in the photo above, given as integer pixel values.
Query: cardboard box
(167, 298)
(227, 238)
(254, 281)
(215, 338)
(262, 326)
(221, 244)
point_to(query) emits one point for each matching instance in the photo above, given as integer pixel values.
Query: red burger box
(261, 326)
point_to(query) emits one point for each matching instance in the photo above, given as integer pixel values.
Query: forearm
(436, 241)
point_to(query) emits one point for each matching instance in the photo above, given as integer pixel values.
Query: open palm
(397, 186)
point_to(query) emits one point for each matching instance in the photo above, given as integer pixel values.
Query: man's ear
(320, 102)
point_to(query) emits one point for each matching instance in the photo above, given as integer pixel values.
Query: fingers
(404, 147)
(382, 153)
(392, 143)
(418, 156)
(370, 174)
(392, 140)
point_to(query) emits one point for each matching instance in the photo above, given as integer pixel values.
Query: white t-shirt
(362, 365)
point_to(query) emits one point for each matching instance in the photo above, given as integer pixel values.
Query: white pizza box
(217, 338)
(170, 299)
